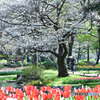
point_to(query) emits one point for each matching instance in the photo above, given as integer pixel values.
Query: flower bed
(88, 67)
(47, 93)
(82, 80)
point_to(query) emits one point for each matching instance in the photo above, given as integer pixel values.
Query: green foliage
(1, 66)
(16, 64)
(81, 63)
(3, 56)
(8, 77)
(25, 63)
(11, 64)
(19, 63)
(92, 7)
(84, 68)
(43, 59)
(39, 82)
(97, 65)
(10, 72)
(80, 81)
(49, 64)
(33, 71)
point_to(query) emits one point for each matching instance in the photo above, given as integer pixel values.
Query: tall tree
(42, 25)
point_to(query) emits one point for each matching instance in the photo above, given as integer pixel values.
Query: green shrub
(3, 56)
(19, 63)
(49, 65)
(81, 63)
(33, 71)
(25, 63)
(40, 82)
(11, 64)
(1, 66)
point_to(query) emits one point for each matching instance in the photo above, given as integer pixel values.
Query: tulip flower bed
(88, 67)
(82, 80)
(47, 93)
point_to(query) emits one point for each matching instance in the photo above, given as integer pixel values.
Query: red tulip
(44, 96)
(67, 88)
(36, 98)
(43, 88)
(30, 97)
(95, 96)
(50, 96)
(57, 98)
(48, 88)
(28, 92)
(29, 87)
(8, 88)
(66, 94)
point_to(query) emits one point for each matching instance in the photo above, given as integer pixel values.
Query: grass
(8, 77)
(10, 72)
(52, 74)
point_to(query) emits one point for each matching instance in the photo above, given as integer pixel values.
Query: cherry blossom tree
(43, 26)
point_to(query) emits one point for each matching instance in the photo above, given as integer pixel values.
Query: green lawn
(51, 74)
(8, 77)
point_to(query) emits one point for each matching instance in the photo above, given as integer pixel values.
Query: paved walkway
(83, 74)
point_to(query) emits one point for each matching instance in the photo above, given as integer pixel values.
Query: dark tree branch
(50, 19)
(18, 23)
(47, 51)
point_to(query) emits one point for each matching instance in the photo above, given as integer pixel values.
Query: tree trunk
(62, 68)
(79, 56)
(70, 48)
(98, 56)
(88, 53)
(35, 59)
(97, 62)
